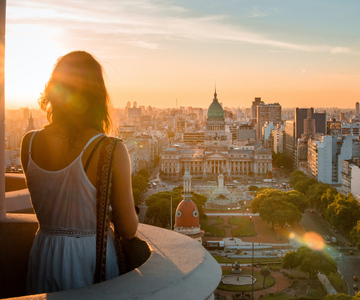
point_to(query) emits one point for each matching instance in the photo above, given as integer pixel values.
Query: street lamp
(171, 213)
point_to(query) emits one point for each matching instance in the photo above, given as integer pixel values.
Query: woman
(62, 192)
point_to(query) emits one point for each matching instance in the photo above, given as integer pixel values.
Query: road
(349, 265)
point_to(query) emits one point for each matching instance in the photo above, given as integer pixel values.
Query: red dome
(187, 214)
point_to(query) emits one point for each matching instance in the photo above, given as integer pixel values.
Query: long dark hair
(75, 96)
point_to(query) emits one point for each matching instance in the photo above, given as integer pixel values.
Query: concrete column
(2, 110)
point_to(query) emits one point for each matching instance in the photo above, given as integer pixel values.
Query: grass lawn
(208, 226)
(299, 288)
(338, 284)
(269, 281)
(224, 260)
(246, 227)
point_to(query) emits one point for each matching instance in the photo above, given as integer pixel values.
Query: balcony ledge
(178, 268)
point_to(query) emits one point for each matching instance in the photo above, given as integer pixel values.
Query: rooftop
(178, 267)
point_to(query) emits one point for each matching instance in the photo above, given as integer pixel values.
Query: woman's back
(62, 198)
(63, 253)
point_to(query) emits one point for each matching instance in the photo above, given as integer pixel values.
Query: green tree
(136, 196)
(303, 185)
(276, 207)
(355, 234)
(139, 182)
(326, 199)
(253, 188)
(290, 260)
(265, 272)
(144, 173)
(282, 160)
(313, 262)
(276, 210)
(343, 212)
(159, 204)
(296, 177)
(298, 199)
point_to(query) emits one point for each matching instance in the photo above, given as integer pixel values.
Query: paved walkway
(232, 214)
(281, 283)
(326, 283)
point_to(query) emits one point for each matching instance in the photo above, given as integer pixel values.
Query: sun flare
(30, 54)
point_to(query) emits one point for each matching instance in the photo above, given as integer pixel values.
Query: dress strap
(31, 140)
(90, 141)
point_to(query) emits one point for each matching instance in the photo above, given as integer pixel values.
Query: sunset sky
(298, 53)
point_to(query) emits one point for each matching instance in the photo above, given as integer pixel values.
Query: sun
(30, 54)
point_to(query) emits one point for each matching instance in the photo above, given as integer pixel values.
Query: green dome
(215, 110)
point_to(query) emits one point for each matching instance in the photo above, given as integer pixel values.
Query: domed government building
(217, 155)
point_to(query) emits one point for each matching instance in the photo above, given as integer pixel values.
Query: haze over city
(297, 53)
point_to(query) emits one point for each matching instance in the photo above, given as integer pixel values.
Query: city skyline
(299, 54)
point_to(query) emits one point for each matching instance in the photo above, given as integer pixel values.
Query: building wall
(355, 179)
(326, 155)
(289, 141)
(267, 113)
(233, 162)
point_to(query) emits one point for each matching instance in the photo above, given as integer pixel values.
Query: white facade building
(325, 156)
(351, 177)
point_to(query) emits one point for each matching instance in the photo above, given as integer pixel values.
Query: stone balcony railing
(178, 267)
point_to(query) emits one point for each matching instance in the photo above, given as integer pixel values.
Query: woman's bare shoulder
(26, 139)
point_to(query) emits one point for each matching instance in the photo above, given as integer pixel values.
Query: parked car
(351, 252)
(355, 287)
(355, 278)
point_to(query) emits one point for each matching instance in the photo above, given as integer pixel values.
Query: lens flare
(311, 239)
(314, 241)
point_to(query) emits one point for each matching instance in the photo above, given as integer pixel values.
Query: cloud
(143, 44)
(340, 50)
(144, 23)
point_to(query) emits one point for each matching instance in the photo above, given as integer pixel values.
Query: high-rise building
(302, 114)
(26, 113)
(267, 113)
(289, 139)
(350, 129)
(333, 127)
(254, 107)
(325, 156)
(357, 108)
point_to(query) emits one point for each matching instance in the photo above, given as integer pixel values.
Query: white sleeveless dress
(63, 253)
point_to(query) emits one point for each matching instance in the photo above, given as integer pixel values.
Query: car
(355, 287)
(341, 256)
(351, 252)
(355, 278)
(312, 211)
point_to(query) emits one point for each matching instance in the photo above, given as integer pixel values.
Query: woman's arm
(24, 154)
(122, 202)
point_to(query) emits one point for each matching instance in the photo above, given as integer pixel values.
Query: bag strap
(103, 196)
(92, 153)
